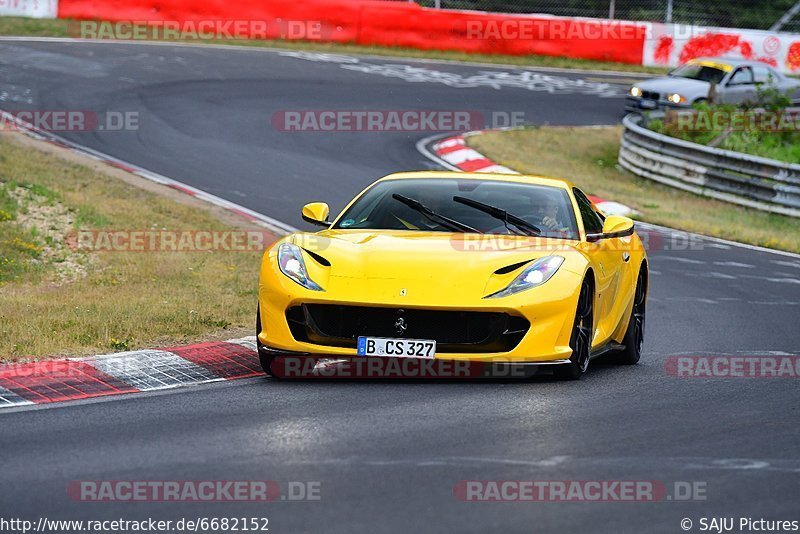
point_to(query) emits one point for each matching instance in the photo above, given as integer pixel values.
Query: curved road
(388, 455)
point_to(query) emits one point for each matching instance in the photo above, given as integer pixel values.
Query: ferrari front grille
(454, 331)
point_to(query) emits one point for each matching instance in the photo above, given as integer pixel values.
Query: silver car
(735, 80)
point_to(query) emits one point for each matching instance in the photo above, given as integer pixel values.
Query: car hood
(472, 264)
(687, 87)
(415, 254)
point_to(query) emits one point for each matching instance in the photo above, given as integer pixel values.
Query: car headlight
(635, 91)
(536, 274)
(675, 98)
(291, 263)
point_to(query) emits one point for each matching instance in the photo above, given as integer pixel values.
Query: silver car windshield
(699, 72)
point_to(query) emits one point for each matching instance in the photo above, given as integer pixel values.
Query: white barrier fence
(674, 44)
(39, 9)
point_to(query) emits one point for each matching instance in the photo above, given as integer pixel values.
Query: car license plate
(397, 348)
(647, 104)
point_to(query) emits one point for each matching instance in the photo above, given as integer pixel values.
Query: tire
(263, 358)
(581, 338)
(634, 335)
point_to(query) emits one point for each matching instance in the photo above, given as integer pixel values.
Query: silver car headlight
(635, 91)
(675, 98)
(536, 274)
(291, 263)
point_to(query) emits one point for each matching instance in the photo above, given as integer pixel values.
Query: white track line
(275, 225)
(273, 49)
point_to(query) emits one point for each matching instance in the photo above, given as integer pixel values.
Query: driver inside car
(546, 214)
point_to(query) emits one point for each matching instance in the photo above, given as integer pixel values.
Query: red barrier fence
(405, 24)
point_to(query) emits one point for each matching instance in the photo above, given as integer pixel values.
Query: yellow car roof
(517, 178)
(711, 63)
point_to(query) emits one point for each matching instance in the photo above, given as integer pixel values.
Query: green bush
(759, 141)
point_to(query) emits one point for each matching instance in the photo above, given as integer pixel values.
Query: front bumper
(549, 309)
(635, 103)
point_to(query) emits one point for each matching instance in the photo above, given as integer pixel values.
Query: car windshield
(545, 207)
(699, 72)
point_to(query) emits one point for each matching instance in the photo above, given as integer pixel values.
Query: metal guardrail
(751, 181)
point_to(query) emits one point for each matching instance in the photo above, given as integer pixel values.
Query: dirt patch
(52, 223)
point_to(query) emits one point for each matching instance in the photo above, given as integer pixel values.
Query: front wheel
(634, 335)
(581, 338)
(263, 358)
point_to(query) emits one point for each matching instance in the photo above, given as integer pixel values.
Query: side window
(763, 74)
(742, 76)
(592, 223)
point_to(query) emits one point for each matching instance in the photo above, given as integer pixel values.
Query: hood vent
(511, 268)
(319, 259)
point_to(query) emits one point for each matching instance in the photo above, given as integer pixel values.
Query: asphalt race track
(388, 455)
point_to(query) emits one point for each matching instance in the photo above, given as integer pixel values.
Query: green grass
(8, 204)
(20, 26)
(781, 146)
(89, 216)
(118, 300)
(588, 157)
(759, 126)
(20, 248)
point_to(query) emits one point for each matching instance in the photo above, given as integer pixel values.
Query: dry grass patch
(59, 300)
(588, 157)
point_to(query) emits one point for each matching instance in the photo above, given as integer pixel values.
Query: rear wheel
(634, 335)
(264, 358)
(581, 338)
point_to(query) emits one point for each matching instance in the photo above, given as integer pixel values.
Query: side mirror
(614, 226)
(316, 213)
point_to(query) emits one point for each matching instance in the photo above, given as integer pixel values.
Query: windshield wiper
(501, 214)
(438, 218)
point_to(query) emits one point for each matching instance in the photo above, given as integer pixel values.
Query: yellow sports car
(479, 268)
